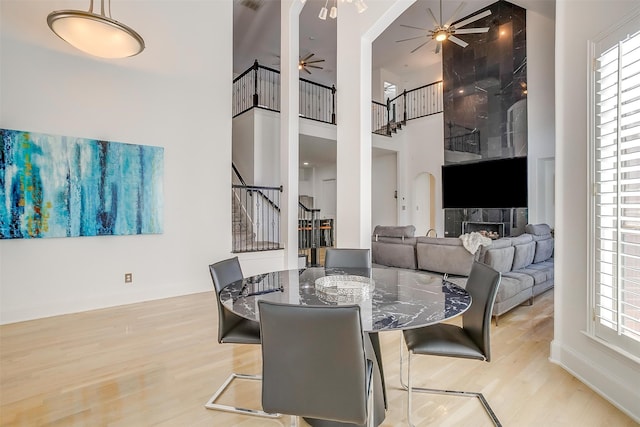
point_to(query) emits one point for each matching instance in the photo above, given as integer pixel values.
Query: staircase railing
(313, 233)
(410, 104)
(259, 87)
(256, 216)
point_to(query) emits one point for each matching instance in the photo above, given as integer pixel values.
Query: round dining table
(389, 299)
(393, 299)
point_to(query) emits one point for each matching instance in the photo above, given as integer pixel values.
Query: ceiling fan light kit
(323, 13)
(447, 31)
(333, 12)
(96, 34)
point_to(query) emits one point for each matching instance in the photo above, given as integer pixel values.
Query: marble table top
(390, 299)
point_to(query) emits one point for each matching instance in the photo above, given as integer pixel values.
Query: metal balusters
(256, 218)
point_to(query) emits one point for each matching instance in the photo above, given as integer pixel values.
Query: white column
(355, 35)
(289, 123)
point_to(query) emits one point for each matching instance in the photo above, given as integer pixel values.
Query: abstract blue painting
(61, 186)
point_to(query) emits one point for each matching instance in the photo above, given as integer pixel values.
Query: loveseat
(526, 261)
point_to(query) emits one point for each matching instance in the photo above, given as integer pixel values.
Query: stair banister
(255, 83)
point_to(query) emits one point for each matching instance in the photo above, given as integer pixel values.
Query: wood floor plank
(157, 363)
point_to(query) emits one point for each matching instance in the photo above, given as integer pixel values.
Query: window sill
(622, 352)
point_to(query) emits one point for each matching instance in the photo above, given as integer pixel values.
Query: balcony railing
(467, 143)
(259, 87)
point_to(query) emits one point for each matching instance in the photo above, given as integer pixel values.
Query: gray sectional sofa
(526, 261)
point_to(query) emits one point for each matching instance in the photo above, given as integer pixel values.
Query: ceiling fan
(447, 31)
(305, 63)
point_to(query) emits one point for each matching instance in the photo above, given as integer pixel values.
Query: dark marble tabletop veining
(401, 299)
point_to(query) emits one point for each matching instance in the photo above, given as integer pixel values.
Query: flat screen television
(500, 183)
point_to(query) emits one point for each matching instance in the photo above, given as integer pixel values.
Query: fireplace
(493, 230)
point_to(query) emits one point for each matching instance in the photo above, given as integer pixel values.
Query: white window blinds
(616, 201)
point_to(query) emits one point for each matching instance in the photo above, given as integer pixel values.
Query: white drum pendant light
(96, 34)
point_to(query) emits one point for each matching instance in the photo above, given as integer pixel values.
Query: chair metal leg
(410, 388)
(219, 407)
(402, 383)
(371, 416)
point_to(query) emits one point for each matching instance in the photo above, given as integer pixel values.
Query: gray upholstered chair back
(347, 258)
(224, 273)
(482, 285)
(313, 362)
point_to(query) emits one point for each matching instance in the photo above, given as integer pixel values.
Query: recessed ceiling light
(305, 163)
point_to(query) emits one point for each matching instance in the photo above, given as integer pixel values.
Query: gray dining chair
(347, 258)
(233, 329)
(315, 364)
(471, 341)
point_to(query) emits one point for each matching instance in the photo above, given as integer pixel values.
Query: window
(615, 167)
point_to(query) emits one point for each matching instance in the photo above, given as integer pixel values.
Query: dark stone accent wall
(485, 104)
(485, 86)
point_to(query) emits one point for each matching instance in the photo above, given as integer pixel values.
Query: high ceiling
(257, 34)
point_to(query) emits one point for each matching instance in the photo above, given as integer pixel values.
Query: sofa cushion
(546, 266)
(544, 250)
(394, 231)
(500, 259)
(521, 239)
(524, 255)
(538, 229)
(539, 276)
(513, 283)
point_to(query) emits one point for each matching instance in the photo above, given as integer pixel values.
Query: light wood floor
(157, 363)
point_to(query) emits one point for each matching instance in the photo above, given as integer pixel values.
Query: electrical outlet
(128, 277)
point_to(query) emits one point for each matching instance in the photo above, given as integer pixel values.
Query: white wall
(266, 137)
(609, 373)
(323, 173)
(540, 116)
(243, 140)
(384, 205)
(355, 33)
(163, 98)
(431, 74)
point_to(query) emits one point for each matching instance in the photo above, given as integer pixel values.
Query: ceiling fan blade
(305, 68)
(307, 57)
(412, 38)
(458, 41)
(315, 66)
(472, 19)
(455, 15)
(471, 30)
(415, 28)
(435, 20)
(420, 46)
(314, 61)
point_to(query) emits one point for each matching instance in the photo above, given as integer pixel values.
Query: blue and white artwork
(61, 186)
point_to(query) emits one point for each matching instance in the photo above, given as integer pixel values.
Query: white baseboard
(623, 395)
